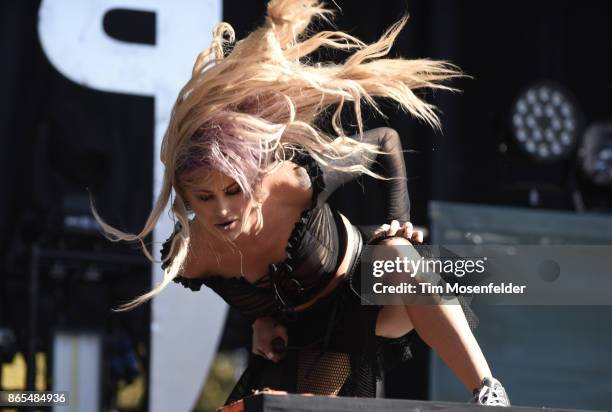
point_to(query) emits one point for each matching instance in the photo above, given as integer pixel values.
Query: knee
(392, 247)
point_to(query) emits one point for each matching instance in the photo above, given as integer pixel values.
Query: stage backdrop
(185, 326)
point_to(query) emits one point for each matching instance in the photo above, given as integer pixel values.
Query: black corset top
(313, 256)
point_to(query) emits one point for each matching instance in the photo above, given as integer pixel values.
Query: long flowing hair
(247, 102)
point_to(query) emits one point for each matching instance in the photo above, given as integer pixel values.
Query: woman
(251, 173)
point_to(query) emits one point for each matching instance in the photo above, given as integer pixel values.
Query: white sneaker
(491, 393)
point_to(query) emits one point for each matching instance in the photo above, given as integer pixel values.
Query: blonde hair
(242, 110)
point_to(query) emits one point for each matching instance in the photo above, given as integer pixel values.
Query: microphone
(278, 345)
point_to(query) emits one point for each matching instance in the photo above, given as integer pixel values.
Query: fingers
(405, 230)
(267, 351)
(270, 340)
(409, 233)
(261, 352)
(382, 230)
(395, 227)
(417, 236)
(268, 354)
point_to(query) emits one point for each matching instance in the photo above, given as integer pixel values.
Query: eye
(233, 191)
(204, 198)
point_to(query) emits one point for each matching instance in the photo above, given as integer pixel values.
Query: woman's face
(219, 205)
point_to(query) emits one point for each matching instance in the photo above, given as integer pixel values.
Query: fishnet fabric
(322, 373)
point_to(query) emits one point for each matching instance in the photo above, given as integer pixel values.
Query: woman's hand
(267, 336)
(395, 229)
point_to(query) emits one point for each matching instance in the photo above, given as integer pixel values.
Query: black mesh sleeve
(391, 164)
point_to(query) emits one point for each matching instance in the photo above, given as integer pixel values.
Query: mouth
(227, 225)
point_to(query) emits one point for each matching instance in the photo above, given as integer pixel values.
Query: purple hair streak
(216, 147)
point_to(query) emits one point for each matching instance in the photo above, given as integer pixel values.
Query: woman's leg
(442, 326)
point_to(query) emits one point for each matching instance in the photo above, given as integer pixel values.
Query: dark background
(58, 139)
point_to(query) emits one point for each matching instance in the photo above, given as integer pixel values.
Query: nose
(222, 208)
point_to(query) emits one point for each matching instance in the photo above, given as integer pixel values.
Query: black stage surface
(300, 403)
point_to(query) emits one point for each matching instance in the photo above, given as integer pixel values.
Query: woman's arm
(397, 209)
(397, 200)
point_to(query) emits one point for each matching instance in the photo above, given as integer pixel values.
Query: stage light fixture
(596, 154)
(545, 121)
